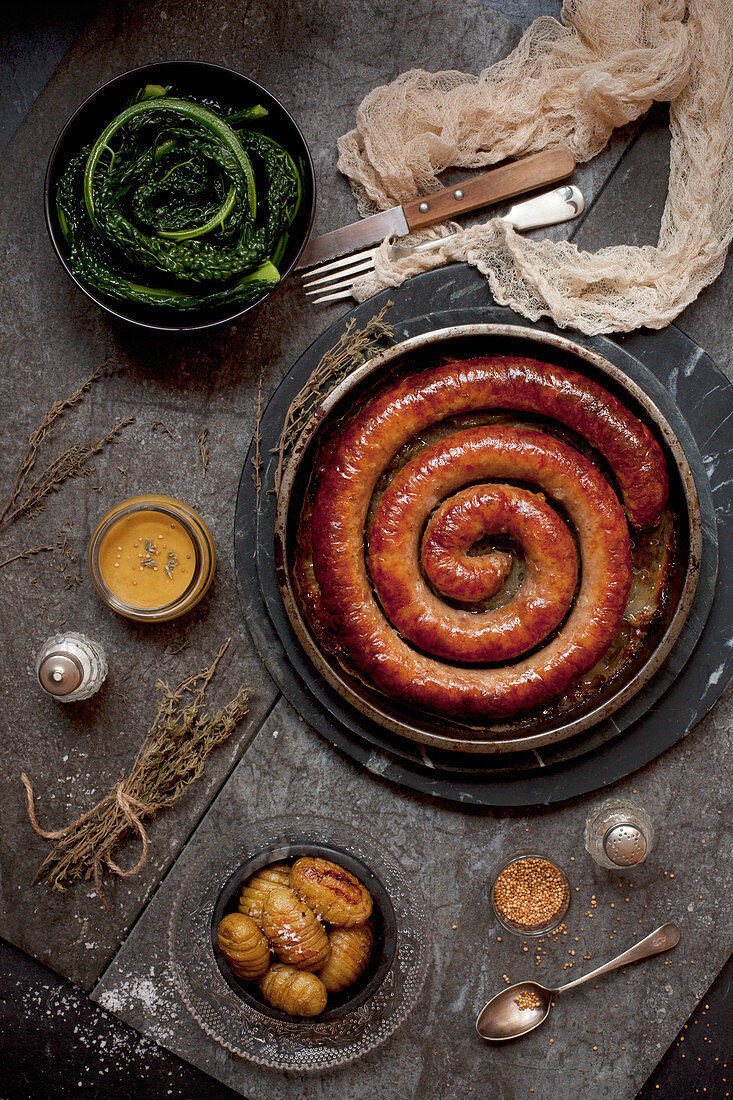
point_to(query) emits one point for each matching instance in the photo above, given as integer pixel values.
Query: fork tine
(346, 273)
(331, 297)
(355, 257)
(345, 284)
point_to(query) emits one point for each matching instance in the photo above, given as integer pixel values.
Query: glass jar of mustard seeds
(530, 893)
(151, 558)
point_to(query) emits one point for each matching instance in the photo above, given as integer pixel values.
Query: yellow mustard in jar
(146, 559)
(151, 558)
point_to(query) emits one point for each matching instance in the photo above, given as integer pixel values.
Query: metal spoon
(502, 1018)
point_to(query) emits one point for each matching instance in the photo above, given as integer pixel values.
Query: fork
(335, 280)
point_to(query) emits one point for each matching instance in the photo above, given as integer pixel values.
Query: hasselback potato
(258, 887)
(295, 991)
(334, 894)
(294, 932)
(242, 943)
(350, 950)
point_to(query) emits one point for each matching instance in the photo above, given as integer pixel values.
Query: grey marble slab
(320, 60)
(601, 1042)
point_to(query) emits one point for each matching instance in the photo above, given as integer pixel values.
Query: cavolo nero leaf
(178, 205)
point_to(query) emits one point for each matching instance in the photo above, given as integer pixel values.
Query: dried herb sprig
(163, 427)
(70, 463)
(172, 756)
(39, 435)
(171, 564)
(353, 348)
(63, 546)
(26, 554)
(204, 449)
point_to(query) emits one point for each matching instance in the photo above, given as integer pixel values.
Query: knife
(490, 187)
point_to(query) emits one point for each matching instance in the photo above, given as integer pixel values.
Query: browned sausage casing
(539, 605)
(458, 476)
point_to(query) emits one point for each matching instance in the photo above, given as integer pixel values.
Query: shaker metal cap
(625, 845)
(60, 673)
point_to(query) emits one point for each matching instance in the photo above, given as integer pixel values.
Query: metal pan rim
(564, 730)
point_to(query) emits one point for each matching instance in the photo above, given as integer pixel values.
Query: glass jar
(152, 558)
(552, 894)
(618, 833)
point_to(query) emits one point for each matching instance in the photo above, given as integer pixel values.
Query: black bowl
(194, 78)
(382, 921)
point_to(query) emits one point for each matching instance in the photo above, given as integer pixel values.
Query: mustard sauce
(147, 559)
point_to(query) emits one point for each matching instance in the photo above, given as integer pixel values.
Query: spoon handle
(665, 937)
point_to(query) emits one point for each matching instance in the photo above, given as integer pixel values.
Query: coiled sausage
(380, 590)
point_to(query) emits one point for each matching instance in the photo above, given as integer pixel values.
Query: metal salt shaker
(618, 833)
(71, 667)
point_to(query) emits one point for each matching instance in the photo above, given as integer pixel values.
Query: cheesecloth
(568, 82)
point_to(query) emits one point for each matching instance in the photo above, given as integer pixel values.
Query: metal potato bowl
(525, 731)
(382, 921)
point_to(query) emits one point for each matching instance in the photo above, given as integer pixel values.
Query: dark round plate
(525, 731)
(199, 79)
(382, 920)
(666, 365)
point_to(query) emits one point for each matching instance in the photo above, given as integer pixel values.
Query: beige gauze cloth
(571, 82)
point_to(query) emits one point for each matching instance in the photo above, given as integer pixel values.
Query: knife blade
(537, 170)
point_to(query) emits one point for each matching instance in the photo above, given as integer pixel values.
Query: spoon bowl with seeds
(521, 1008)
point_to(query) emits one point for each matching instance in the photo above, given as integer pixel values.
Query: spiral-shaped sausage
(542, 601)
(392, 604)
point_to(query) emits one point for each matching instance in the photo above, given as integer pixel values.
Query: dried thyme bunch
(353, 348)
(171, 758)
(204, 449)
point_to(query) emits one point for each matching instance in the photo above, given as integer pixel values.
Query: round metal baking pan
(678, 375)
(524, 733)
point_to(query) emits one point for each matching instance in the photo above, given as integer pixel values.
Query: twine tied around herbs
(118, 798)
(170, 759)
(572, 82)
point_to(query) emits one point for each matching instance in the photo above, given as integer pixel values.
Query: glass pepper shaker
(618, 833)
(71, 666)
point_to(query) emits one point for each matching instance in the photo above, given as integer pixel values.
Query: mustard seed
(527, 998)
(530, 893)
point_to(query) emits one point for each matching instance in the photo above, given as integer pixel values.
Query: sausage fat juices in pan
(404, 632)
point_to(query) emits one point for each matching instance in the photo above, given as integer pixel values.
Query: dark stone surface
(46, 360)
(33, 40)
(74, 755)
(56, 1043)
(320, 64)
(451, 853)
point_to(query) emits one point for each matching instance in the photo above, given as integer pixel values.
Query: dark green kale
(178, 204)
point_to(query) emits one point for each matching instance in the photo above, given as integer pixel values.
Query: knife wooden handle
(537, 170)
